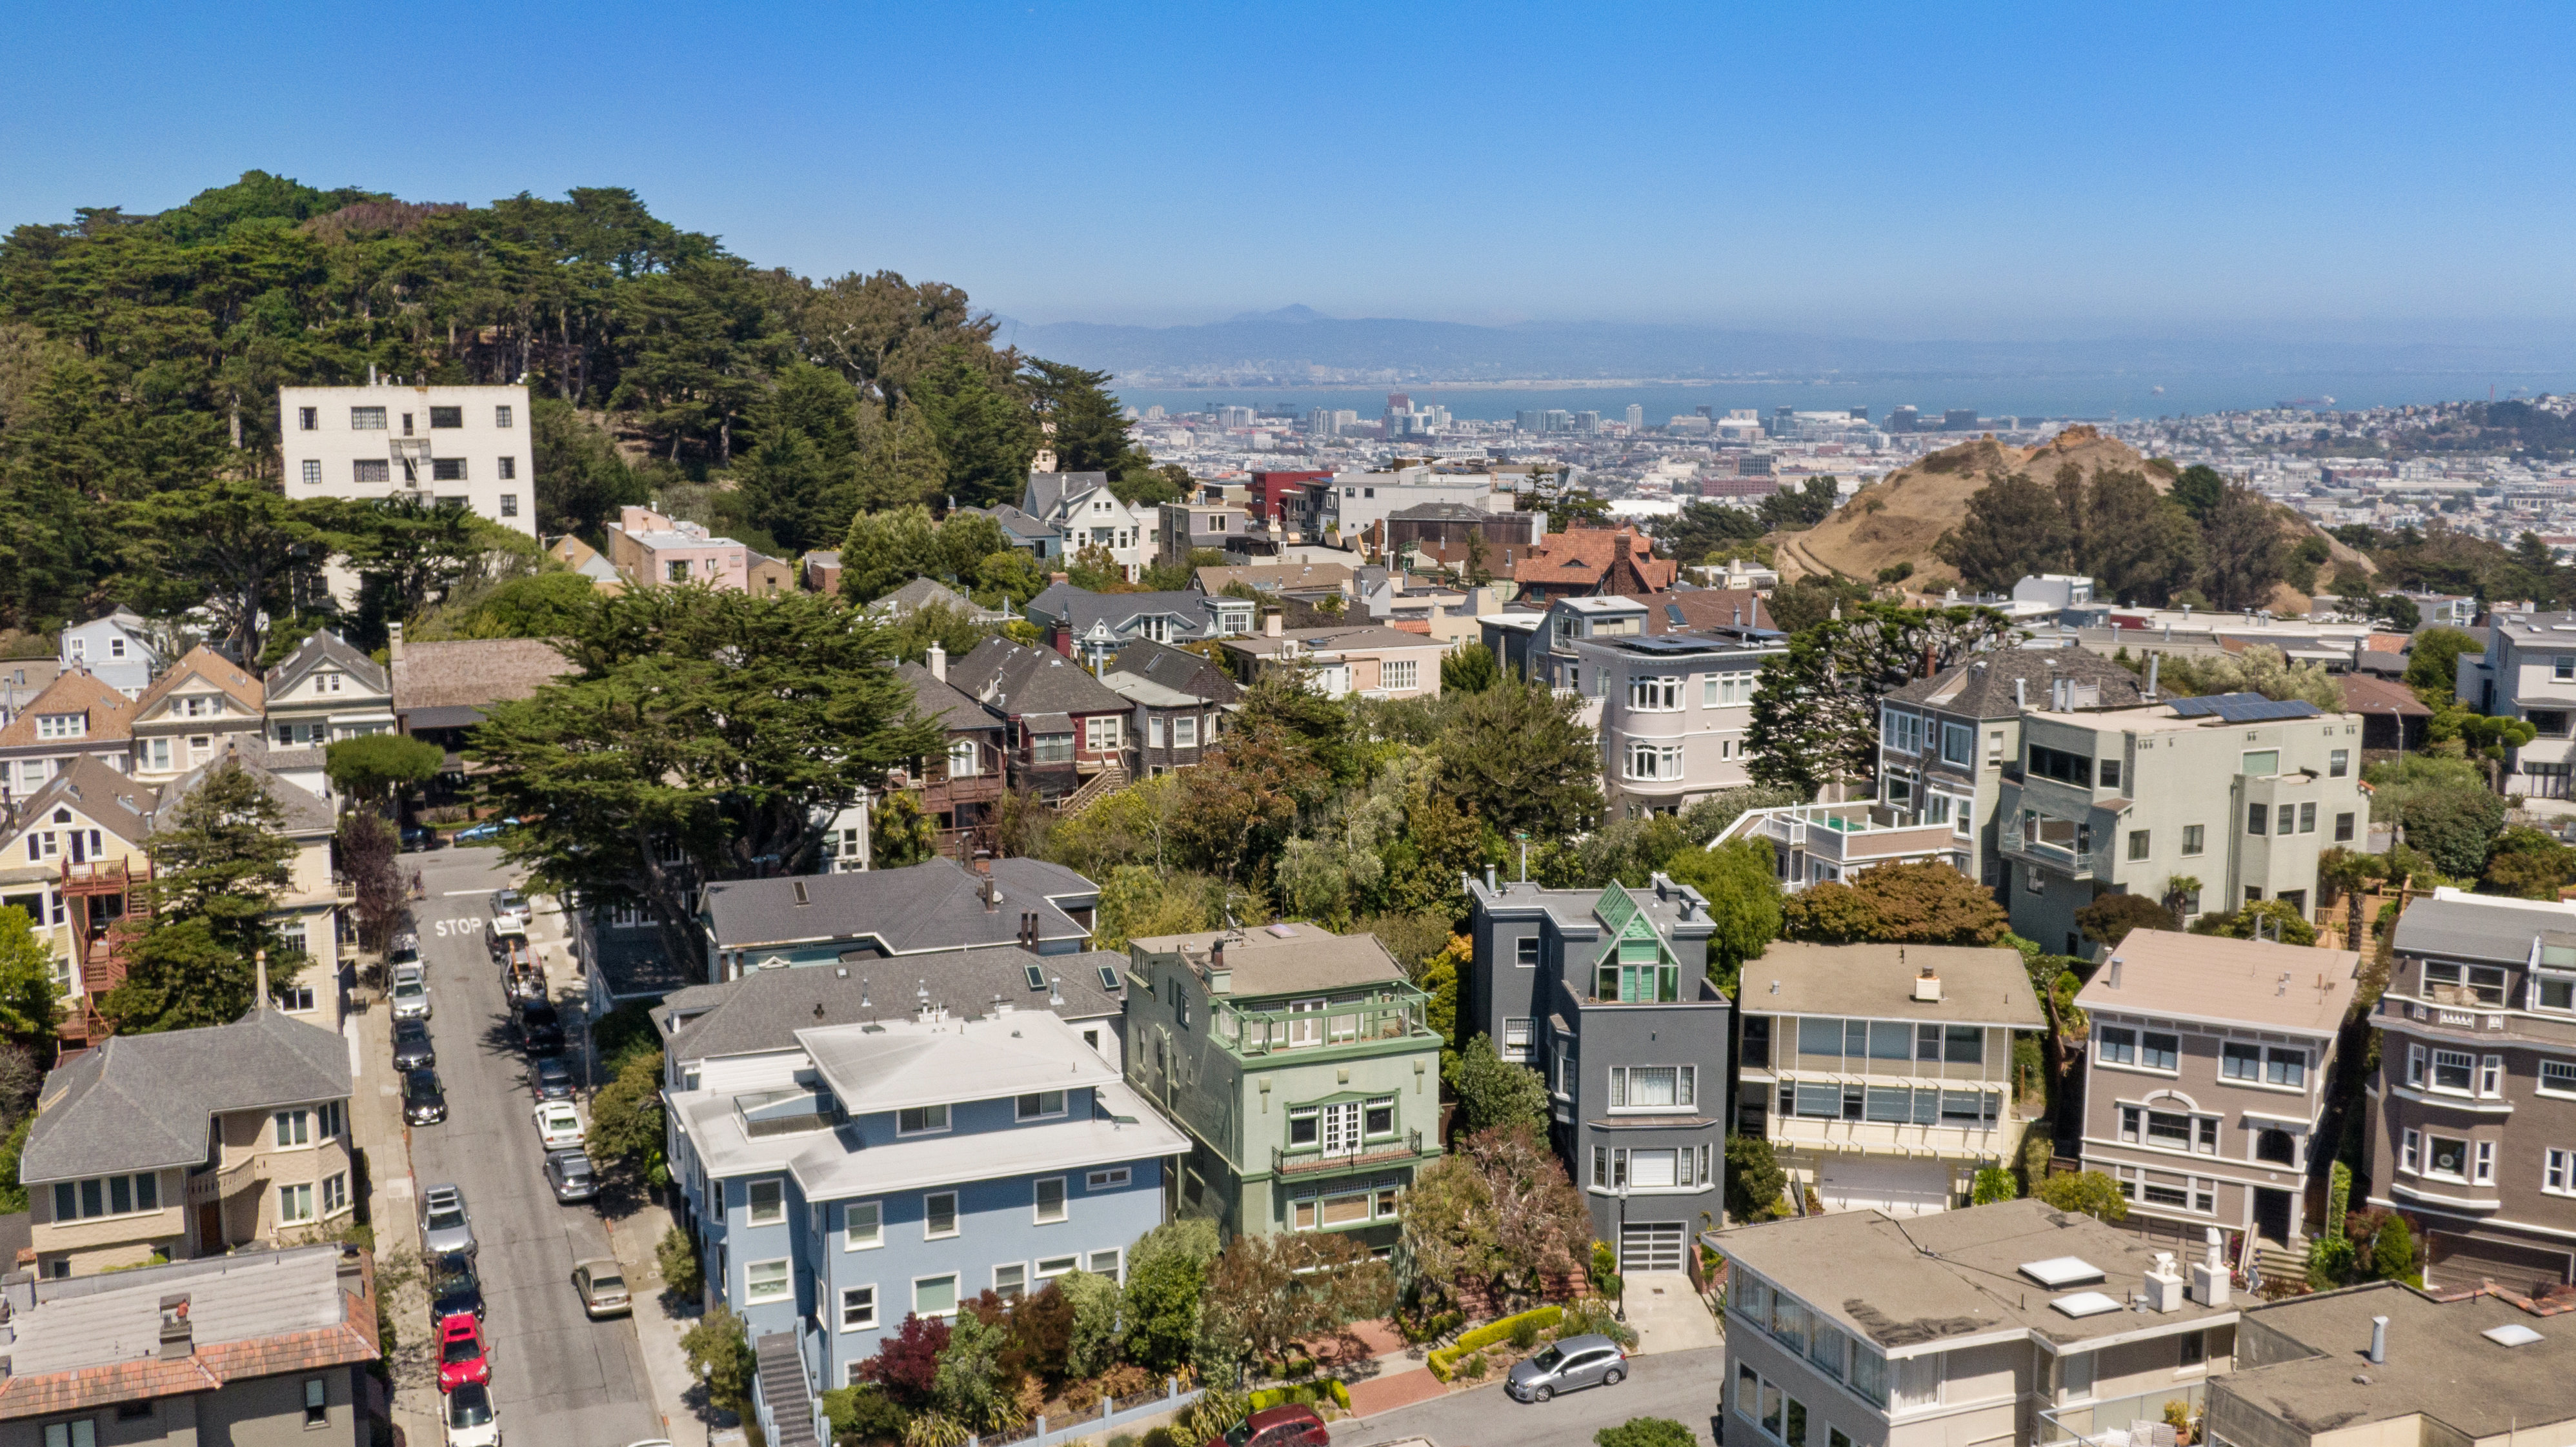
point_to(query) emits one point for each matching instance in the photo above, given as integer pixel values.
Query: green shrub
(2392, 1255)
(1595, 1317)
(1644, 1432)
(1163, 1437)
(1473, 1368)
(1524, 1335)
(2330, 1260)
(1994, 1183)
(1301, 1394)
(677, 1254)
(1447, 1360)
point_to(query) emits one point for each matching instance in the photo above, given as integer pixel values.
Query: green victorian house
(1300, 1065)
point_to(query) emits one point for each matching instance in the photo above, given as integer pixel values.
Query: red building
(1281, 497)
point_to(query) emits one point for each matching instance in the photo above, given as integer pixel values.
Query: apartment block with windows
(1674, 710)
(2009, 1323)
(466, 445)
(2529, 672)
(2218, 801)
(1946, 741)
(1300, 1065)
(2473, 1113)
(1884, 1075)
(2205, 1089)
(906, 1165)
(1606, 993)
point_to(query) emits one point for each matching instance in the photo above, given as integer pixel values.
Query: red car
(1277, 1427)
(462, 1356)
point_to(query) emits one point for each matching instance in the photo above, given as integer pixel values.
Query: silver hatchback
(1577, 1361)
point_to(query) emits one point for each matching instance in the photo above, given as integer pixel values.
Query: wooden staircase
(1108, 781)
(2281, 1263)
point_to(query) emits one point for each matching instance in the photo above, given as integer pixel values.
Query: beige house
(189, 1143)
(1882, 1075)
(187, 715)
(1370, 661)
(255, 1350)
(78, 716)
(2206, 1081)
(2004, 1324)
(323, 692)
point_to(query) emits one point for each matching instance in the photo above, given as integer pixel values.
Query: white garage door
(1900, 1188)
(1651, 1246)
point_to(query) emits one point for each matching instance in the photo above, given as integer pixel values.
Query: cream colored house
(189, 1143)
(323, 692)
(188, 713)
(1882, 1075)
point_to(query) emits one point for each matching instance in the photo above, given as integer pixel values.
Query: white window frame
(1685, 1090)
(1115, 1178)
(1519, 1031)
(2467, 1152)
(2461, 1060)
(851, 1240)
(2410, 1152)
(925, 1128)
(1063, 1201)
(871, 1323)
(295, 1204)
(956, 1219)
(1393, 673)
(1655, 695)
(2556, 1077)
(2558, 1172)
(752, 1212)
(1048, 1268)
(785, 1290)
(953, 1298)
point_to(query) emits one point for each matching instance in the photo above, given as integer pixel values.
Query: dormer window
(62, 725)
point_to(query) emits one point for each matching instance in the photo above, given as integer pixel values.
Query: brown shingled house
(441, 689)
(2393, 719)
(1591, 562)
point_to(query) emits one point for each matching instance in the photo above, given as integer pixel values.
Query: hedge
(1301, 1394)
(1443, 1360)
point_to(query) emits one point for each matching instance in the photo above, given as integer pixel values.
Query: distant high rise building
(1587, 424)
(1860, 414)
(1636, 418)
(1903, 419)
(1319, 423)
(1399, 402)
(1154, 413)
(1705, 412)
(1959, 419)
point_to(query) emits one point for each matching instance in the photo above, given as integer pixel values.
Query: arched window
(2275, 1145)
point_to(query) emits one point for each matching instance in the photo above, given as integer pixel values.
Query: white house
(468, 445)
(115, 649)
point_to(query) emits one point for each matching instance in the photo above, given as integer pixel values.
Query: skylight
(2061, 1271)
(1109, 978)
(2511, 1334)
(2086, 1303)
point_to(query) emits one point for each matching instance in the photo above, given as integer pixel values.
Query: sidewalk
(658, 1329)
(375, 1119)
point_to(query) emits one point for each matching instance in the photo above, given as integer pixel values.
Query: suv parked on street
(1577, 1361)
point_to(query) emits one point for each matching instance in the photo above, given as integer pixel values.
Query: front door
(2272, 1214)
(210, 1228)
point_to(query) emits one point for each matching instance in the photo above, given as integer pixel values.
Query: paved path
(1669, 1313)
(1681, 1385)
(557, 1376)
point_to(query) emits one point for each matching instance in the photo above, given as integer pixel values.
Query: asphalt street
(1680, 1385)
(557, 1376)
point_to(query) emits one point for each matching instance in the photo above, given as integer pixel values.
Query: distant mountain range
(1300, 345)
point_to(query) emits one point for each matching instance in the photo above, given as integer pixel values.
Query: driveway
(1681, 1385)
(557, 1376)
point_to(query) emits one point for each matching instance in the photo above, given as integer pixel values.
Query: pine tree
(220, 861)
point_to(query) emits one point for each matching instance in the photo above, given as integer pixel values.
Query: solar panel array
(2244, 708)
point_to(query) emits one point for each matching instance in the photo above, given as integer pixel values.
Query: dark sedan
(540, 1029)
(418, 839)
(424, 1103)
(550, 1078)
(412, 1047)
(569, 1173)
(454, 1289)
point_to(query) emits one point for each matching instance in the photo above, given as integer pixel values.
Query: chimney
(992, 897)
(938, 662)
(1059, 577)
(393, 643)
(1271, 623)
(2379, 1341)
(351, 1273)
(2114, 981)
(178, 1339)
(259, 983)
(2209, 1278)
(2164, 1284)
(1490, 886)
(1927, 987)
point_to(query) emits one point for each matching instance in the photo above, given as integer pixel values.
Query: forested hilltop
(140, 358)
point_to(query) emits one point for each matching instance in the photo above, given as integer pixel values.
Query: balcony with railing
(1365, 1156)
(1850, 836)
(2059, 844)
(1257, 1033)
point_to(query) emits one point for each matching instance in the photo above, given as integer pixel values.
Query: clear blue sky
(1952, 170)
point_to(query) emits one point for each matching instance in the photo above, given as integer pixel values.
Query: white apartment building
(467, 445)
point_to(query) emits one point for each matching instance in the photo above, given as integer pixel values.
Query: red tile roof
(111, 714)
(1589, 560)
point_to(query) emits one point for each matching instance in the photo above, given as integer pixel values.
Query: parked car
(483, 833)
(509, 904)
(1276, 1427)
(550, 1078)
(405, 951)
(411, 993)
(558, 1124)
(602, 1285)
(540, 1028)
(454, 1288)
(424, 1099)
(418, 839)
(444, 1224)
(413, 1049)
(1577, 1361)
(571, 1176)
(462, 1354)
(471, 1422)
(505, 938)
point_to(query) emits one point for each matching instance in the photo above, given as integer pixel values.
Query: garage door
(2466, 1262)
(1900, 1188)
(1651, 1246)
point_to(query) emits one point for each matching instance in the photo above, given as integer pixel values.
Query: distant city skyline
(2375, 172)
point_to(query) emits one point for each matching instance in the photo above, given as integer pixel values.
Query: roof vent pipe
(2379, 1341)
(2021, 693)
(2152, 660)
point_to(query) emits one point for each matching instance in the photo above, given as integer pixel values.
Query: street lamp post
(1620, 1257)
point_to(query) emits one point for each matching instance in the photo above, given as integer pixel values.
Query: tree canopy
(221, 860)
(1815, 709)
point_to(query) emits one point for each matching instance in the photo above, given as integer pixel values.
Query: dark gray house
(1063, 726)
(1606, 993)
(1181, 702)
(807, 920)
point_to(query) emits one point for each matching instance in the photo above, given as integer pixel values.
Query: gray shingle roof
(923, 907)
(2479, 928)
(1982, 687)
(89, 785)
(304, 811)
(1017, 679)
(763, 1010)
(327, 646)
(938, 700)
(141, 1102)
(1178, 668)
(1079, 611)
